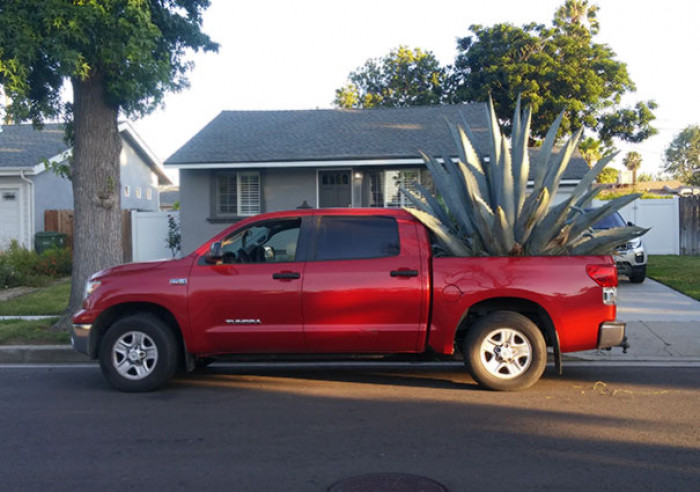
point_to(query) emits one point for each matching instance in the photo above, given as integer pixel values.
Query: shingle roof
(335, 134)
(327, 134)
(23, 146)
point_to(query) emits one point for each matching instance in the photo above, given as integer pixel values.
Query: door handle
(404, 273)
(286, 275)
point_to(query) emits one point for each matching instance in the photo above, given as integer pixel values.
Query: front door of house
(334, 189)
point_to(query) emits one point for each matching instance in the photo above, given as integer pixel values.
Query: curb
(35, 354)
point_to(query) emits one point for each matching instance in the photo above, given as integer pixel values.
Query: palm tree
(633, 161)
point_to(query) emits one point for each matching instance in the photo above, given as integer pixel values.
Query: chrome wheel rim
(506, 353)
(134, 355)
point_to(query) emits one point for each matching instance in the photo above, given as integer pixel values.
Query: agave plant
(483, 208)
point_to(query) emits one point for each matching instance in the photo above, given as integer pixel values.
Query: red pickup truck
(345, 281)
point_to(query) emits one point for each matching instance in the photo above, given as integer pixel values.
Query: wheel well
(536, 313)
(114, 313)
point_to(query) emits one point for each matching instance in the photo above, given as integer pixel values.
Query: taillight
(604, 275)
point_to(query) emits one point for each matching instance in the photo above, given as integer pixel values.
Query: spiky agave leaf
(604, 241)
(487, 208)
(448, 240)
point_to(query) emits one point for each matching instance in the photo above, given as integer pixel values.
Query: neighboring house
(169, 197)
(28, 188)
(247, 162)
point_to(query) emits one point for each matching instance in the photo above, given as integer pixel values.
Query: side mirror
(215, 253)
(630, 223)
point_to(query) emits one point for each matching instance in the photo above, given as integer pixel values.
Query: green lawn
(678, 272)
(20, 332)
(45, 301)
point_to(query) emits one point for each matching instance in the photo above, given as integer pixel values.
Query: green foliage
(138, 47)
(482, 207)
(633, 161)
(21, 267)
(682, 157)
(612, 195)
(553, 69)
(404, 77)
(173, 238)
(608, 175)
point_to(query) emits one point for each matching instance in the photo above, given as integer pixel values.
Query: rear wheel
(505, 351)
(138, 353)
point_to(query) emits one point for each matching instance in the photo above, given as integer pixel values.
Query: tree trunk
(96, 187)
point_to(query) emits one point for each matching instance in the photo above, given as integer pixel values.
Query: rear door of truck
(366, 285)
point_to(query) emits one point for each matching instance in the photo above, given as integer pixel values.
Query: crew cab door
(365, 286)
(249, 300)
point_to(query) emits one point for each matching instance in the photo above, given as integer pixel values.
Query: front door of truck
(249, 301)
(365, 289)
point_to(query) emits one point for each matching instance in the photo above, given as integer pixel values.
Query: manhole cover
(387, 482)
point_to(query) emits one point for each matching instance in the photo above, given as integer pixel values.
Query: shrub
(21, 267)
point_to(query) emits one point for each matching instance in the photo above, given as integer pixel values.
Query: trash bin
(47, 240)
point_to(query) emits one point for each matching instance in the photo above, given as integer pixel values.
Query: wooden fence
(689, 219)
(62, 221)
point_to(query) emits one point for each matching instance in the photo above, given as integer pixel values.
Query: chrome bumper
(80, 337)
(612, 334)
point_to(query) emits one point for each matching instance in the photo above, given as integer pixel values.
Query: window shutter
(249, 193)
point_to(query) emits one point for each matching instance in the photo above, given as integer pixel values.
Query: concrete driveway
(662, 325)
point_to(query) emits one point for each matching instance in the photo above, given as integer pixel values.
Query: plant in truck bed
(482, 207)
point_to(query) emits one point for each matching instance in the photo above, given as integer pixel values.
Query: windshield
(612, 220)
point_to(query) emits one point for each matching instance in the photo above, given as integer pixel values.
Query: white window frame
(127, 191)
(248, 194)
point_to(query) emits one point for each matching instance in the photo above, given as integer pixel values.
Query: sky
(283, 55)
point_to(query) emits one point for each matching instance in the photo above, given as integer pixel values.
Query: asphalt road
(304, 428)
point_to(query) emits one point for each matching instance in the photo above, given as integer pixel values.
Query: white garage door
(9, 216)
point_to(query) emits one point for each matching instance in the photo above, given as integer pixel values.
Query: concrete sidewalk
(662, 325)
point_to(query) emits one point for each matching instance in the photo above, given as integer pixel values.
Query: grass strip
(45, 301)
(681, 273)
(38, 332)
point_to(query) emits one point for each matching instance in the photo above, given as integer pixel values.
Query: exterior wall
(16, 212)
(287, 189)
(195, 209)
(53, 192)
(136, 174)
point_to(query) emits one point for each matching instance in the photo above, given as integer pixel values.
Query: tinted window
(344, 238)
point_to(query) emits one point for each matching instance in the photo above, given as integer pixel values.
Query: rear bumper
(612, 334)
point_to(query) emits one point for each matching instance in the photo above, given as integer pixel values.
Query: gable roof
(23, 147)
(304, 137)
(328, 134)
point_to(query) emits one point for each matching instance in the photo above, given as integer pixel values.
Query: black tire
(139, 353)
(505, 351)
(638, 274)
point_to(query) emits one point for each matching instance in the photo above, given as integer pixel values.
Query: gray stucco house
(247, 162)
(28, 188)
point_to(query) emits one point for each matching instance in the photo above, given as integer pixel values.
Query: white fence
(662, 216)
(149, 233)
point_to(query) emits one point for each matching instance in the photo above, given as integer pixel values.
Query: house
(28, 188)
(247, 162)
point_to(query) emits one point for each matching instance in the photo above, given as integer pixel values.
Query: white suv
(631, 257)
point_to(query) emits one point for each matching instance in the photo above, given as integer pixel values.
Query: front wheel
(505, 351)
(138, 353)
(638, 274)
